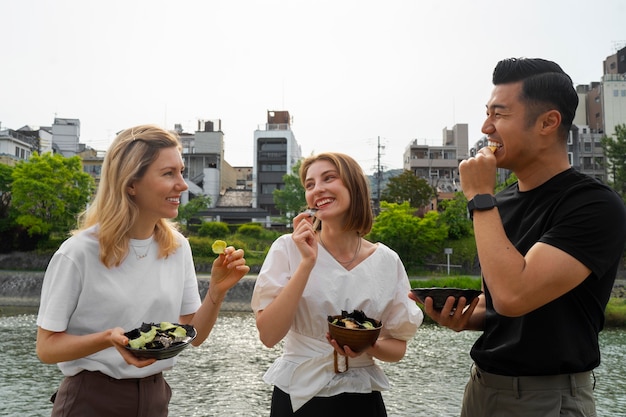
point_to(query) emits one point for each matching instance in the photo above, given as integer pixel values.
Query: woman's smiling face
(157, 193)
(325, 190)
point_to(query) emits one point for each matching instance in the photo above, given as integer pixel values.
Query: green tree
(290, 199)
(6, 172)
(190, 210)
(615, 151)
(48, 192)
(413, 238)
(407, 187)
(453, 213)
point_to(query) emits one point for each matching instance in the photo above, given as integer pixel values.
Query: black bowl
(440, 295)
(162, 353)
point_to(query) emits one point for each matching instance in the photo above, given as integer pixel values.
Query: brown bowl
(440, 295)
(356, 339)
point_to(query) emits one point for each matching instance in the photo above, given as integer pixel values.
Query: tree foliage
(290, 199)
(413, 238)
(6, 172)
(190, 210)
(615, 151)
(453, 213)
(48, 192)
(406, 187)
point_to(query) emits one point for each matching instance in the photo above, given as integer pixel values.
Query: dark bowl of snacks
(440, 295)
(355, 330)
(159, 341)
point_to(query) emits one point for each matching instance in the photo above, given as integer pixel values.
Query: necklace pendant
(138, 255)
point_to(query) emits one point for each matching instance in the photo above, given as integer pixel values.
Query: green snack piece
(149, 335)
(166, 325)
(218, 246)
(179, 332)
(367, 325)
(137, 343)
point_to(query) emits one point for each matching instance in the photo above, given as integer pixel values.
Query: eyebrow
(322, 174)
(495, 106)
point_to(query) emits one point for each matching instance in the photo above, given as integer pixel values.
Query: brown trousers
(95, 394)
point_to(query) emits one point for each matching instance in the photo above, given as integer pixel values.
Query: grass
(615, 313)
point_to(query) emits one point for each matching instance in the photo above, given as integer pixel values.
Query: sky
(353, 74)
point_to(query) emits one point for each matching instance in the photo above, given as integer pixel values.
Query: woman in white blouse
(319, 270)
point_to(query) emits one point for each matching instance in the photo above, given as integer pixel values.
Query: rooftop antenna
(617, 45)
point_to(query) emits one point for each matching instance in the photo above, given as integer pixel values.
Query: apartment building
(439, 164)
(276, 151)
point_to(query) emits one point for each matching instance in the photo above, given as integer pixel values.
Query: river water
(223, 377)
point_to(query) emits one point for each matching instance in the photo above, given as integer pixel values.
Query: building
(439, 164)
(275, 153)
(613, 100)
(585, 152)
(15, 146)
(66, 136)
(206, 171)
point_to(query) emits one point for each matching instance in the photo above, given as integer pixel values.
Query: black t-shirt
(586, 219)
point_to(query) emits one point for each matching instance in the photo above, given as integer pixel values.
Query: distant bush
(251, 229)
(615, 313)
(215, 230)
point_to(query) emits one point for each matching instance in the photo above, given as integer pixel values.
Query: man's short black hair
(545, 86)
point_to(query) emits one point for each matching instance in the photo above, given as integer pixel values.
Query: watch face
(483, 201)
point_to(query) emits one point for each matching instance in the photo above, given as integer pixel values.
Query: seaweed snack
(355, 320)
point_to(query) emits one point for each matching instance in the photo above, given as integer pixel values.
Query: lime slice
(218, 246)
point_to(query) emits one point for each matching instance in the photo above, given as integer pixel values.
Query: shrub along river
(223, 377)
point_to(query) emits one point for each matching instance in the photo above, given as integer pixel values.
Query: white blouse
(378, 286)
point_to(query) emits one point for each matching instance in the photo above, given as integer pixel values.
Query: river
(223, 377)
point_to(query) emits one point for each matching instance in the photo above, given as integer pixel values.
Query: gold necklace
(344, 263)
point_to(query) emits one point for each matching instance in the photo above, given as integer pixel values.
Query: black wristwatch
(481, 202)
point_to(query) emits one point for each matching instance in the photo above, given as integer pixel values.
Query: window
(615, 93)
(269, 188)
(273, 168)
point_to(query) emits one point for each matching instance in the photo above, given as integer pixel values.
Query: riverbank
(21, 290)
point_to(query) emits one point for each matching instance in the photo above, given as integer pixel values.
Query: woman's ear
(131, 189)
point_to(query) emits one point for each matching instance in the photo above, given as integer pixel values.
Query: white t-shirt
(82, 296)
(378, 286)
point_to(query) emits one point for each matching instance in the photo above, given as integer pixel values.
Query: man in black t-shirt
(549, 248)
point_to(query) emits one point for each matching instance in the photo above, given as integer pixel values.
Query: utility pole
(379, 177)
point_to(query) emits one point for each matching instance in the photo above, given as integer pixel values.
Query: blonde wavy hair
(361, 216)
(112, 208)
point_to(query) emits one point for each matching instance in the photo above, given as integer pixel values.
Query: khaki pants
(95, 394)
(490, 395)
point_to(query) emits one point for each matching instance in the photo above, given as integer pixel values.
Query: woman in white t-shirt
(125, 265)
(320, 271)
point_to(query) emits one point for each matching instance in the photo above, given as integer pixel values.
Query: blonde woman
(126, 264)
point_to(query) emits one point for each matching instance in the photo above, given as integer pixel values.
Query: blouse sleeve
(274, 274)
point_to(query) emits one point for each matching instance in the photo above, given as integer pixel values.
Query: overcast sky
(348, 72)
